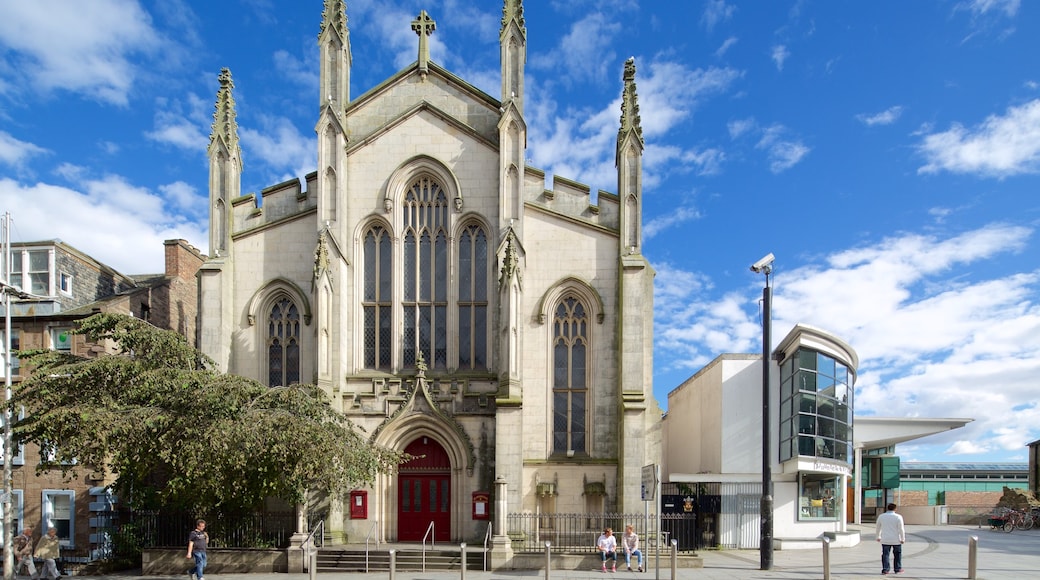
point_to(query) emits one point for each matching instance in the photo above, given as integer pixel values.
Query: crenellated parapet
(571, 199)
(275, 204)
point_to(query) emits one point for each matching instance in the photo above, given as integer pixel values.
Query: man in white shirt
(607, 546)
(891, 534)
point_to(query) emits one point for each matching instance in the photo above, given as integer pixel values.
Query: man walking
(892, 535)
(197, 540)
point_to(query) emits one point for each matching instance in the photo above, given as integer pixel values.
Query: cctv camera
(763, 265)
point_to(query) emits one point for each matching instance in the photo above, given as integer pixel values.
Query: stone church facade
(446, 300)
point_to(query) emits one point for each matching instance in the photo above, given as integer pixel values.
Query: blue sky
(886, 152)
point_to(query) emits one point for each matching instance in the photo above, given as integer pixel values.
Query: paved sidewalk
(931, 552)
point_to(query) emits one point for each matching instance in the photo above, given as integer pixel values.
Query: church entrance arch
(424, 492)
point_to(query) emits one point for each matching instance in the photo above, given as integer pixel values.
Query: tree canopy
(177, 434)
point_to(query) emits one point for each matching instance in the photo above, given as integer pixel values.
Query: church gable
(408, 91)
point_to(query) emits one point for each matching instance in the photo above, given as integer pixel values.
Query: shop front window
(819, 497)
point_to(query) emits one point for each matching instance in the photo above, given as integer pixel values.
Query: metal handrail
(371, 530)
(310, 551)
(429, 534)
(487, 538)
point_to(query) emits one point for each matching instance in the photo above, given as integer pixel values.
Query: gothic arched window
(570, 344)
(283, 344)
(378, 297)
(425, 299)
(473, 298)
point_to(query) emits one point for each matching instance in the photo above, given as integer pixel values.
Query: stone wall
(171, 562)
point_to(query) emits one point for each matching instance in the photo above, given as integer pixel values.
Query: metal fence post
(826, 558)
(548, 560)
(312, 557)
(393, 564)
(462, 548)
(973, 556)
(675, 559)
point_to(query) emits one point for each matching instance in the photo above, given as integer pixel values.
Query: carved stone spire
(513, 10)
(424, 26)
(225, 126)
(630, 124)
(334, 17)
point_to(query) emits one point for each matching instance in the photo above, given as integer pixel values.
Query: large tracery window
(570, 376)
(473, 298)
(377, 299)
(425, 300)
(283, 344)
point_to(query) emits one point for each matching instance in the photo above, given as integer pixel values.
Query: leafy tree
(179, 435)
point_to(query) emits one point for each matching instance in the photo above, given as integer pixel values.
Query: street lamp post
(765, 546)
(8, 504)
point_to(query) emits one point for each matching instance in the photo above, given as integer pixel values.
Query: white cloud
(934, 338)
(682, 215)
(740, 127)
(716, 11)
(66, 47)
(585, 150)
(886, 117)
(779, 55)
(782, 153)
(280, 147)
(15, 152)
(1008, 7)
(1001, 146)
(726, 45)
(113, 221)
(584, 54)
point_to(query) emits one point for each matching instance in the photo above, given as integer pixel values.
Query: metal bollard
(826, 558)
(312, 557)
(548, 561)
(973, 556)
(393, 564)
(462, 548)
(675, 559)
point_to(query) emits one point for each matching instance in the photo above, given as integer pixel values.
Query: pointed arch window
(283, 343)
(425, 299)
(570, 376)
(473, 298)
(378, 297)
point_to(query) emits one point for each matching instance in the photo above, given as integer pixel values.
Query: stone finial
(424, 26)
(225, 126)
(630, 101)
(513, 10)
(334, 16)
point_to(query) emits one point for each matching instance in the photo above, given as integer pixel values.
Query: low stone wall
(171, 562)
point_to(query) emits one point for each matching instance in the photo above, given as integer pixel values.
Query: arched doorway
(424, 492)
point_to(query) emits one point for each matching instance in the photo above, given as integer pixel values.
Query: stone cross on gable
(424, 26)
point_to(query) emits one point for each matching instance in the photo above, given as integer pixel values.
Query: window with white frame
(31, 270)
(65, 283)
(61, 339)
(16, 512)
(49, 455)
(59, 513)
(15, 345)
(19, 450)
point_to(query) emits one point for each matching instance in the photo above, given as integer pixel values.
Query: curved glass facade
(815, 407)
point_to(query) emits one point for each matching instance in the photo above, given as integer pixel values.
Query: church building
(446, 298)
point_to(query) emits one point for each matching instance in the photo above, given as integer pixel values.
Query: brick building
(66, 286)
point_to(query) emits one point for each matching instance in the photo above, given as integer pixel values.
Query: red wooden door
(424, 492)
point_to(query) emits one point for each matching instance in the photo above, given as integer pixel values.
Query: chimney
(182, 260)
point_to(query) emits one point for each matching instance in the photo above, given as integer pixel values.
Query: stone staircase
(409, 558)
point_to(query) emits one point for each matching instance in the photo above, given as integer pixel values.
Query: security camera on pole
(765, 547)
